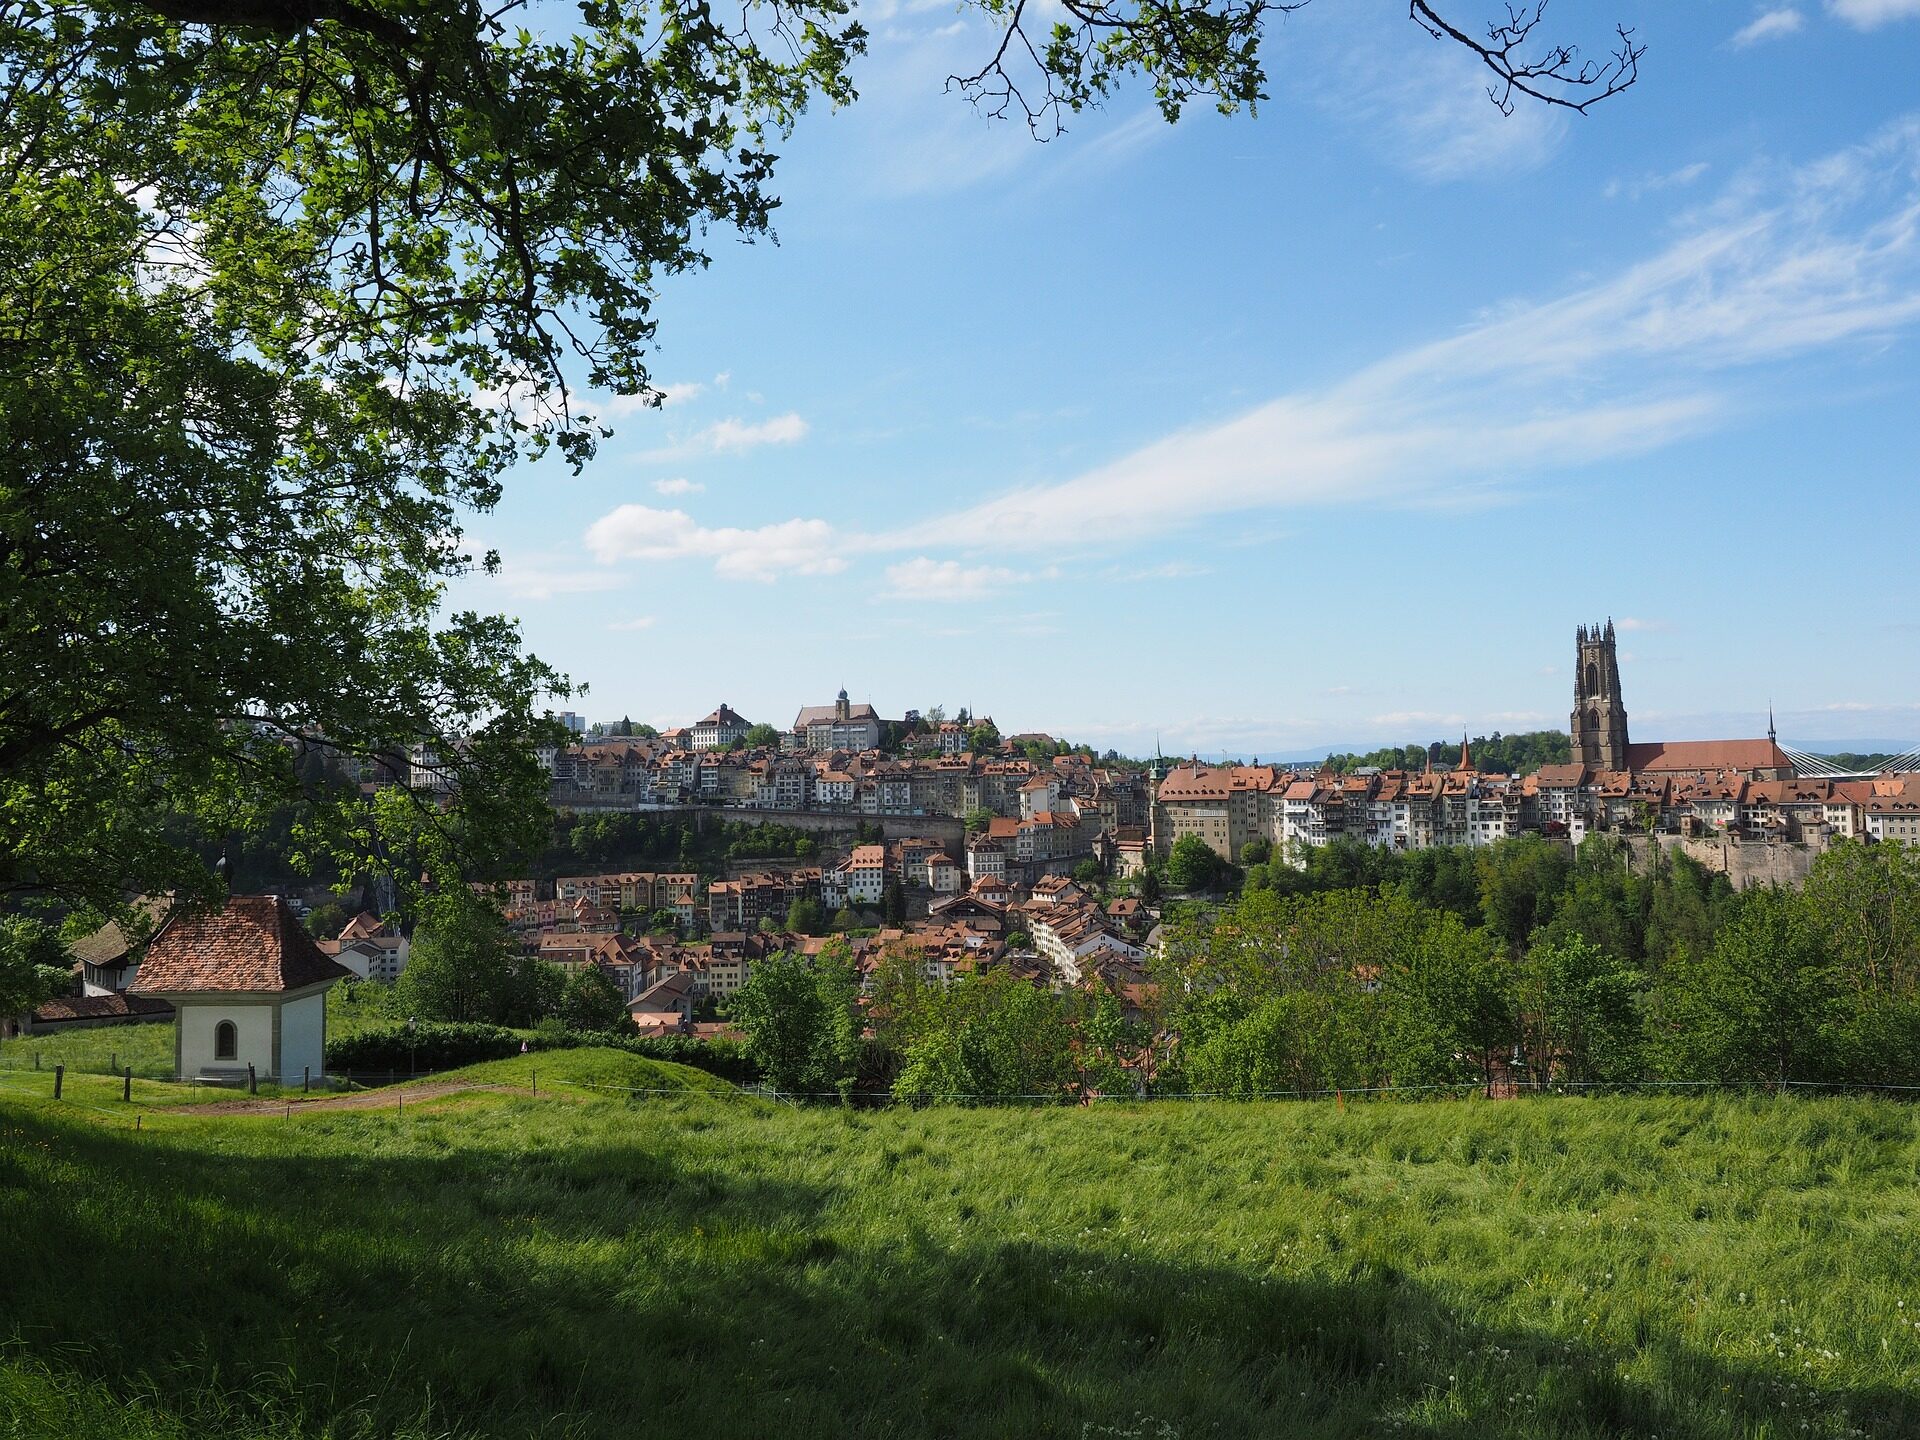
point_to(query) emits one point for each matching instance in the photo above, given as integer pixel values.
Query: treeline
(445, 1046)
(1496, 754)
(1574, 970)
(1520, 962)
(990, 1036)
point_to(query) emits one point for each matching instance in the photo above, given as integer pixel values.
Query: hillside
(582, 1264)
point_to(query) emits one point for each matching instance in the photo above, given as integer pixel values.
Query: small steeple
(1466, 755)
(1772, 738)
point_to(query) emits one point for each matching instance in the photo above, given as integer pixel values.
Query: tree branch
(285, 17)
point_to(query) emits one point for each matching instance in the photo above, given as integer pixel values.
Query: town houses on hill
(941, 839)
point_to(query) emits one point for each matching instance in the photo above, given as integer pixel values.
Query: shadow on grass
(622, 1289)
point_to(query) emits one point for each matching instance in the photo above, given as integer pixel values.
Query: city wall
(1744, 863)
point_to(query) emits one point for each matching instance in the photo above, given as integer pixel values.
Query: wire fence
(370, 1090)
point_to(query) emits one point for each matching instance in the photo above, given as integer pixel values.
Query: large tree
(285, 288)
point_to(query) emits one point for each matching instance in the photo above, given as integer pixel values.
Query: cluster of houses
(998, 889)
(829, 760)
(1734, 789)
(1054, 933)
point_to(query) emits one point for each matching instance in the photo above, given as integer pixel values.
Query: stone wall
(1743, 862)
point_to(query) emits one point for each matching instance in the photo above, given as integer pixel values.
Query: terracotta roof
(99, 1007)
(362, 926)
(1561, 776)
(1675, 755)
(253, 944)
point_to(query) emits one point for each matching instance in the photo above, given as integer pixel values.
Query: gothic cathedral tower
(1599, 727)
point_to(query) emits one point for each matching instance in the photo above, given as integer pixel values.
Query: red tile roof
(99, 1007)
(1701, 755)
(253, 945)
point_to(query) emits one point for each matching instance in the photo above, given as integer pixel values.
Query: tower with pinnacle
(1599, 724)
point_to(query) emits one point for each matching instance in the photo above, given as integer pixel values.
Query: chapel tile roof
(252, 944)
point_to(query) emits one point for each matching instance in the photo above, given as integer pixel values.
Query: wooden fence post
(59, 1079)
(253, 1080)
(306, 1078)
(126, 1084)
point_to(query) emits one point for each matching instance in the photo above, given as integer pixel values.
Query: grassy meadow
(579, 1263)
(148, 1048)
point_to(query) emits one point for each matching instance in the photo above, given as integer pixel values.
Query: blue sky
(1264, 435)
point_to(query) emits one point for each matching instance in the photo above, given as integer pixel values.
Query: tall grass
(147, 1047)
(512, 1265)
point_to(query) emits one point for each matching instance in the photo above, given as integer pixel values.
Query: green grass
(576, 1071)
(148, 1048)
(504, 1264)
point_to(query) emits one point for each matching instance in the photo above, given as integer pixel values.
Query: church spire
(1466, 755)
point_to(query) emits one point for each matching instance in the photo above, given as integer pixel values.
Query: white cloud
(1785, 262)
(1417, 719)
(923, 578)
(676, 392)
(1423, 106)
(678, 485)
(1654, 183)
(730, 437)
(1633, 623)
(638, 622)
(765, 552)
(544, 578)
(1871, 14)
(1170, 570)
(1770, 25)
(1781, 265)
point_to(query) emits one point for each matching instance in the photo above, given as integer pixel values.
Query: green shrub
(435, 1045)
(447, 1046)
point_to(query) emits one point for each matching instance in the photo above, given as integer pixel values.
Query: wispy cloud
(924, 578)
(1169, 570)
(674, 392)
(544, 577)
(1423, 106)
(1769, 25)
(678, 485)
(729, 437)
(1779, 266)
(1784, 263)
(638, 622)
(1653, 184)
(1634, 623)
(1871, 14)
(765, 552)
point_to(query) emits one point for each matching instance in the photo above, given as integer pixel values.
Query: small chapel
(249, 988)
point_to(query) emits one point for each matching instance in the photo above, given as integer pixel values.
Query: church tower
(842, 710)
(1599, 726)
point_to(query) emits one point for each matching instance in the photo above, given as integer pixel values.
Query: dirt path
(392, 1097)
